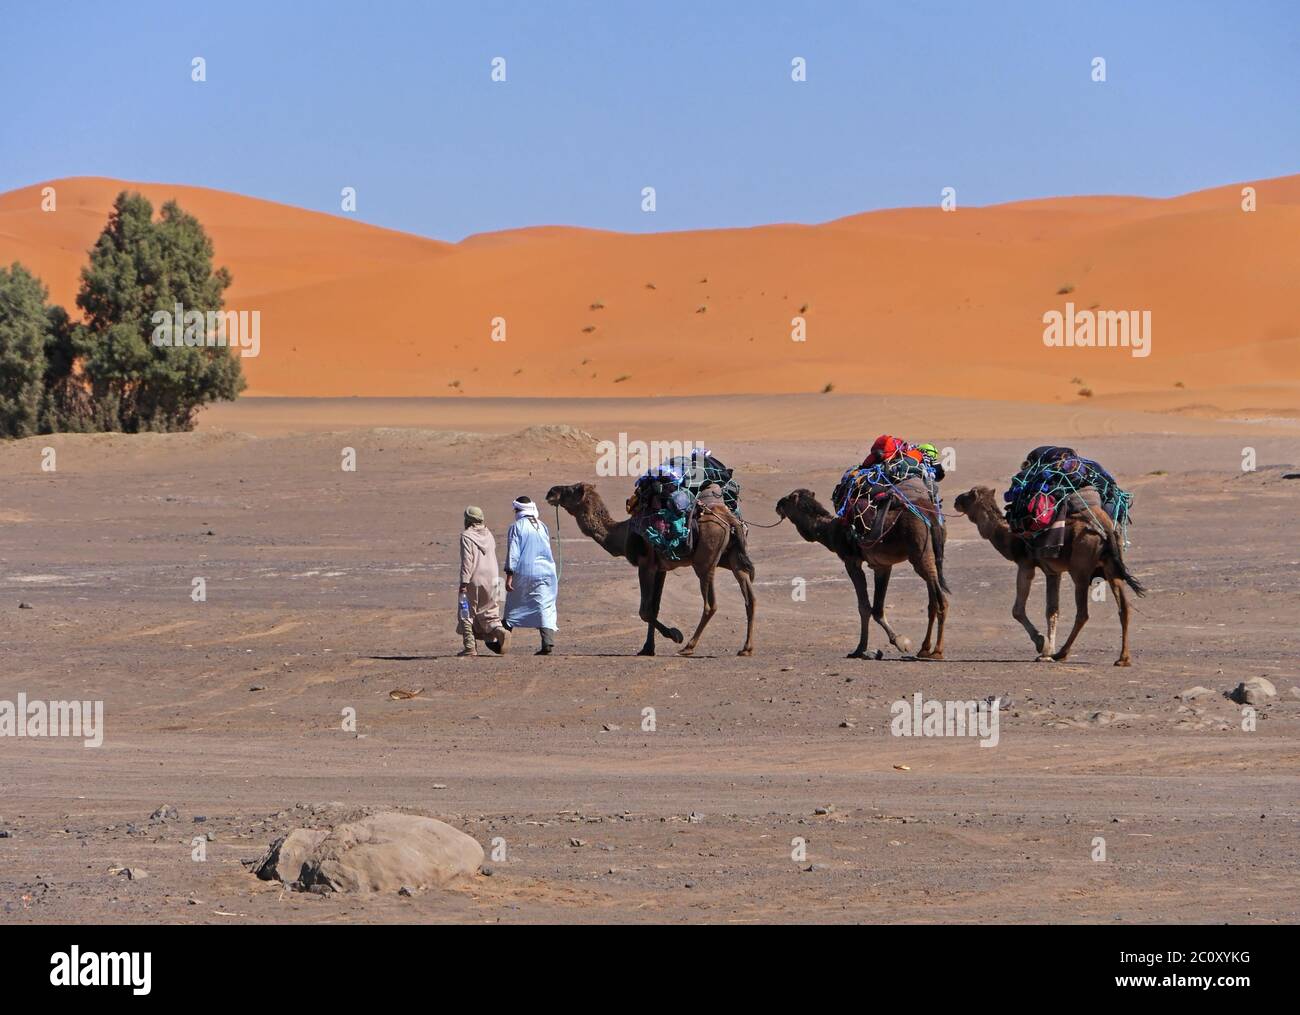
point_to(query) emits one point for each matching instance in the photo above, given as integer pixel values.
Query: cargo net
(662, 500)
(903, 475)
(1045, 482)
(688, 475)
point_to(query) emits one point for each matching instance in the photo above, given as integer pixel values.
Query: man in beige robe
(479, 616)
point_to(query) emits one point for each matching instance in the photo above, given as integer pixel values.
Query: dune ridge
(912, 301)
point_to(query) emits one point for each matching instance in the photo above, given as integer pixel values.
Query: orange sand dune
(915, 301)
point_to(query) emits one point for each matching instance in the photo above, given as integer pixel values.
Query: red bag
(1042, 509)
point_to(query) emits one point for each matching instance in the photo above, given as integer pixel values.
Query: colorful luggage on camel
(1055, 482)
(665, 497)
(893, 470)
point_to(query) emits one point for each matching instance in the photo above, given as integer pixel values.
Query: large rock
(380, 853)
(288, 856)
(1254, 691)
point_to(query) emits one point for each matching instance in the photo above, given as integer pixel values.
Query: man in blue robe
(531, 578)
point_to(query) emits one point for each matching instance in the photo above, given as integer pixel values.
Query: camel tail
(1116, 554)
(741, 551)
(938, 557)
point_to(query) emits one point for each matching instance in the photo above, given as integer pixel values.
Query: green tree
(25, 324)
(67, 403)
(139, 266)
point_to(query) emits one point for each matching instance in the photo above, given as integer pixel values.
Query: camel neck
(594, 520)
(993, 527)
(813, 528)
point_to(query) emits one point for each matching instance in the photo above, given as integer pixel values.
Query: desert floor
(328, 589)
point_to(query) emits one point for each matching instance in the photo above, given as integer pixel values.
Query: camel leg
(882, 574)
(1053, 613)
(747, 592)
(859, 580)
(1025, 582)
(670, 633)
(1082, 581)
(938, 615)
(1117, 586)
(706, 572)
(652, 587)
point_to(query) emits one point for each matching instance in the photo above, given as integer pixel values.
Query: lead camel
(720, 541)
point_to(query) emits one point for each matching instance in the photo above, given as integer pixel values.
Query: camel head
(800, 503)
(569, 497)
(975, 500)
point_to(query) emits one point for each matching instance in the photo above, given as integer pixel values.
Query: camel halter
(559, 561)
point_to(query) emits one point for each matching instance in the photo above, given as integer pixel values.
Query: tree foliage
(24, 332)
(105, 372)
(139, 266)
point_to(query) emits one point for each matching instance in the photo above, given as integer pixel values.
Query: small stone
(258, 687)
(823, 810)
(26, 606)
(1194, 692)
(848, 724)
(486, 871)
(694, 818)
(135, 873)
(200, 818)
(610, 727)
(406, 891)
(164, 813)
(577, 843)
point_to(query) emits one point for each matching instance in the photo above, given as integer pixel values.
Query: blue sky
(694, 98)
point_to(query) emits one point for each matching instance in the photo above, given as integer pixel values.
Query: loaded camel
(909, 539)
(720, 540)
(1086, 554)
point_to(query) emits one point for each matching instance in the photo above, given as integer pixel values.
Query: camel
(909, 539)
(720, 539)
(1085, 555)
